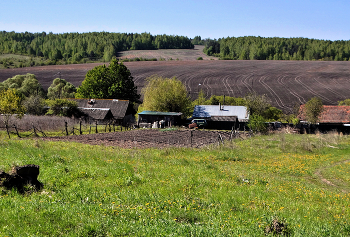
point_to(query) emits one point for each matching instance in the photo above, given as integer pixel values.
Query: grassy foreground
(241, 188)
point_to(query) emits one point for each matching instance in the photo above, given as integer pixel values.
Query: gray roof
(209, 111)
(98, 113)
(160, 113)
(117, 107)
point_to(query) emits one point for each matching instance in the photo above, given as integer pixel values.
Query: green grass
(19, 61)
(235, 189)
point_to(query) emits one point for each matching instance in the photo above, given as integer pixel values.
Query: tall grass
(238, 188)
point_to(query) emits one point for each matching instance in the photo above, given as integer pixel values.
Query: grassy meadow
(242, 188)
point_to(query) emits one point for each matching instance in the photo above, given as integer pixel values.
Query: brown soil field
(148, 138)
(168, 54)
(285, 83)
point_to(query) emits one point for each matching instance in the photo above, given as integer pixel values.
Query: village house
(222, 116)
(104, 110)
(332, 117)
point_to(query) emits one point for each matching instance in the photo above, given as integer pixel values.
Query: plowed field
(284, 82)
(168, 54)
(149, 138)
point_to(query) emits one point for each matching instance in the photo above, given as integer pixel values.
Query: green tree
(112, 82)
(313, 109)
(226, 100)
(200, 100)
(257, 104)
(165, 95)
(108, 53)
(272, 114)
(26, 84)
(197, 40)
(344, 102)
(10, 104)
(60, 89)
(62, 107)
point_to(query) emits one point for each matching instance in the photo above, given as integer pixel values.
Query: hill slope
(284, 82)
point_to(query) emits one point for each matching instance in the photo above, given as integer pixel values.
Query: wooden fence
(36, 131)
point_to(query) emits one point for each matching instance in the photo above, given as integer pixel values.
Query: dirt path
(323, 179)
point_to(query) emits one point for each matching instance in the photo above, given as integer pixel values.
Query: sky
(317, 19)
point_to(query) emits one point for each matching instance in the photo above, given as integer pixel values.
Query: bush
(34, 105)
(257, 124)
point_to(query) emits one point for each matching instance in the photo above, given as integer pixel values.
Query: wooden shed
(148, 118)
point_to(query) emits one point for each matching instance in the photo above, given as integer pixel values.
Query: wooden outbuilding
(149, 119)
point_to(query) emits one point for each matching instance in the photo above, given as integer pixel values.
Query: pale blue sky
(319, 19)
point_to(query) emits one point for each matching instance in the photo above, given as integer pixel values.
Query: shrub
(257, 124)
(34, 105)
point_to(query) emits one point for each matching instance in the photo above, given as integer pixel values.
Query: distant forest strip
(72, 47)
(259, 48)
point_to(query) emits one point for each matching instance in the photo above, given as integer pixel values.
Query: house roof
(98, 113)
(160, 113)
(117, 107)
(330, 114)
(211, 111)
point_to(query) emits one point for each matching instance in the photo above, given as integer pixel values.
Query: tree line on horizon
(260, 48)
(72, 47)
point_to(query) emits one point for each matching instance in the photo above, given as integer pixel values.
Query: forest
(69, 48)
(73, 47)
(260, 48)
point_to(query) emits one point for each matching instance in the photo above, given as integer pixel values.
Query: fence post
(66, 127)
(16, 131)
(81, 132)
(34, 130)
(96, 126)
(191, 137)
(7, 130)
(220, 141)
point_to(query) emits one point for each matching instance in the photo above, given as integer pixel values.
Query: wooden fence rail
(66, 131)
